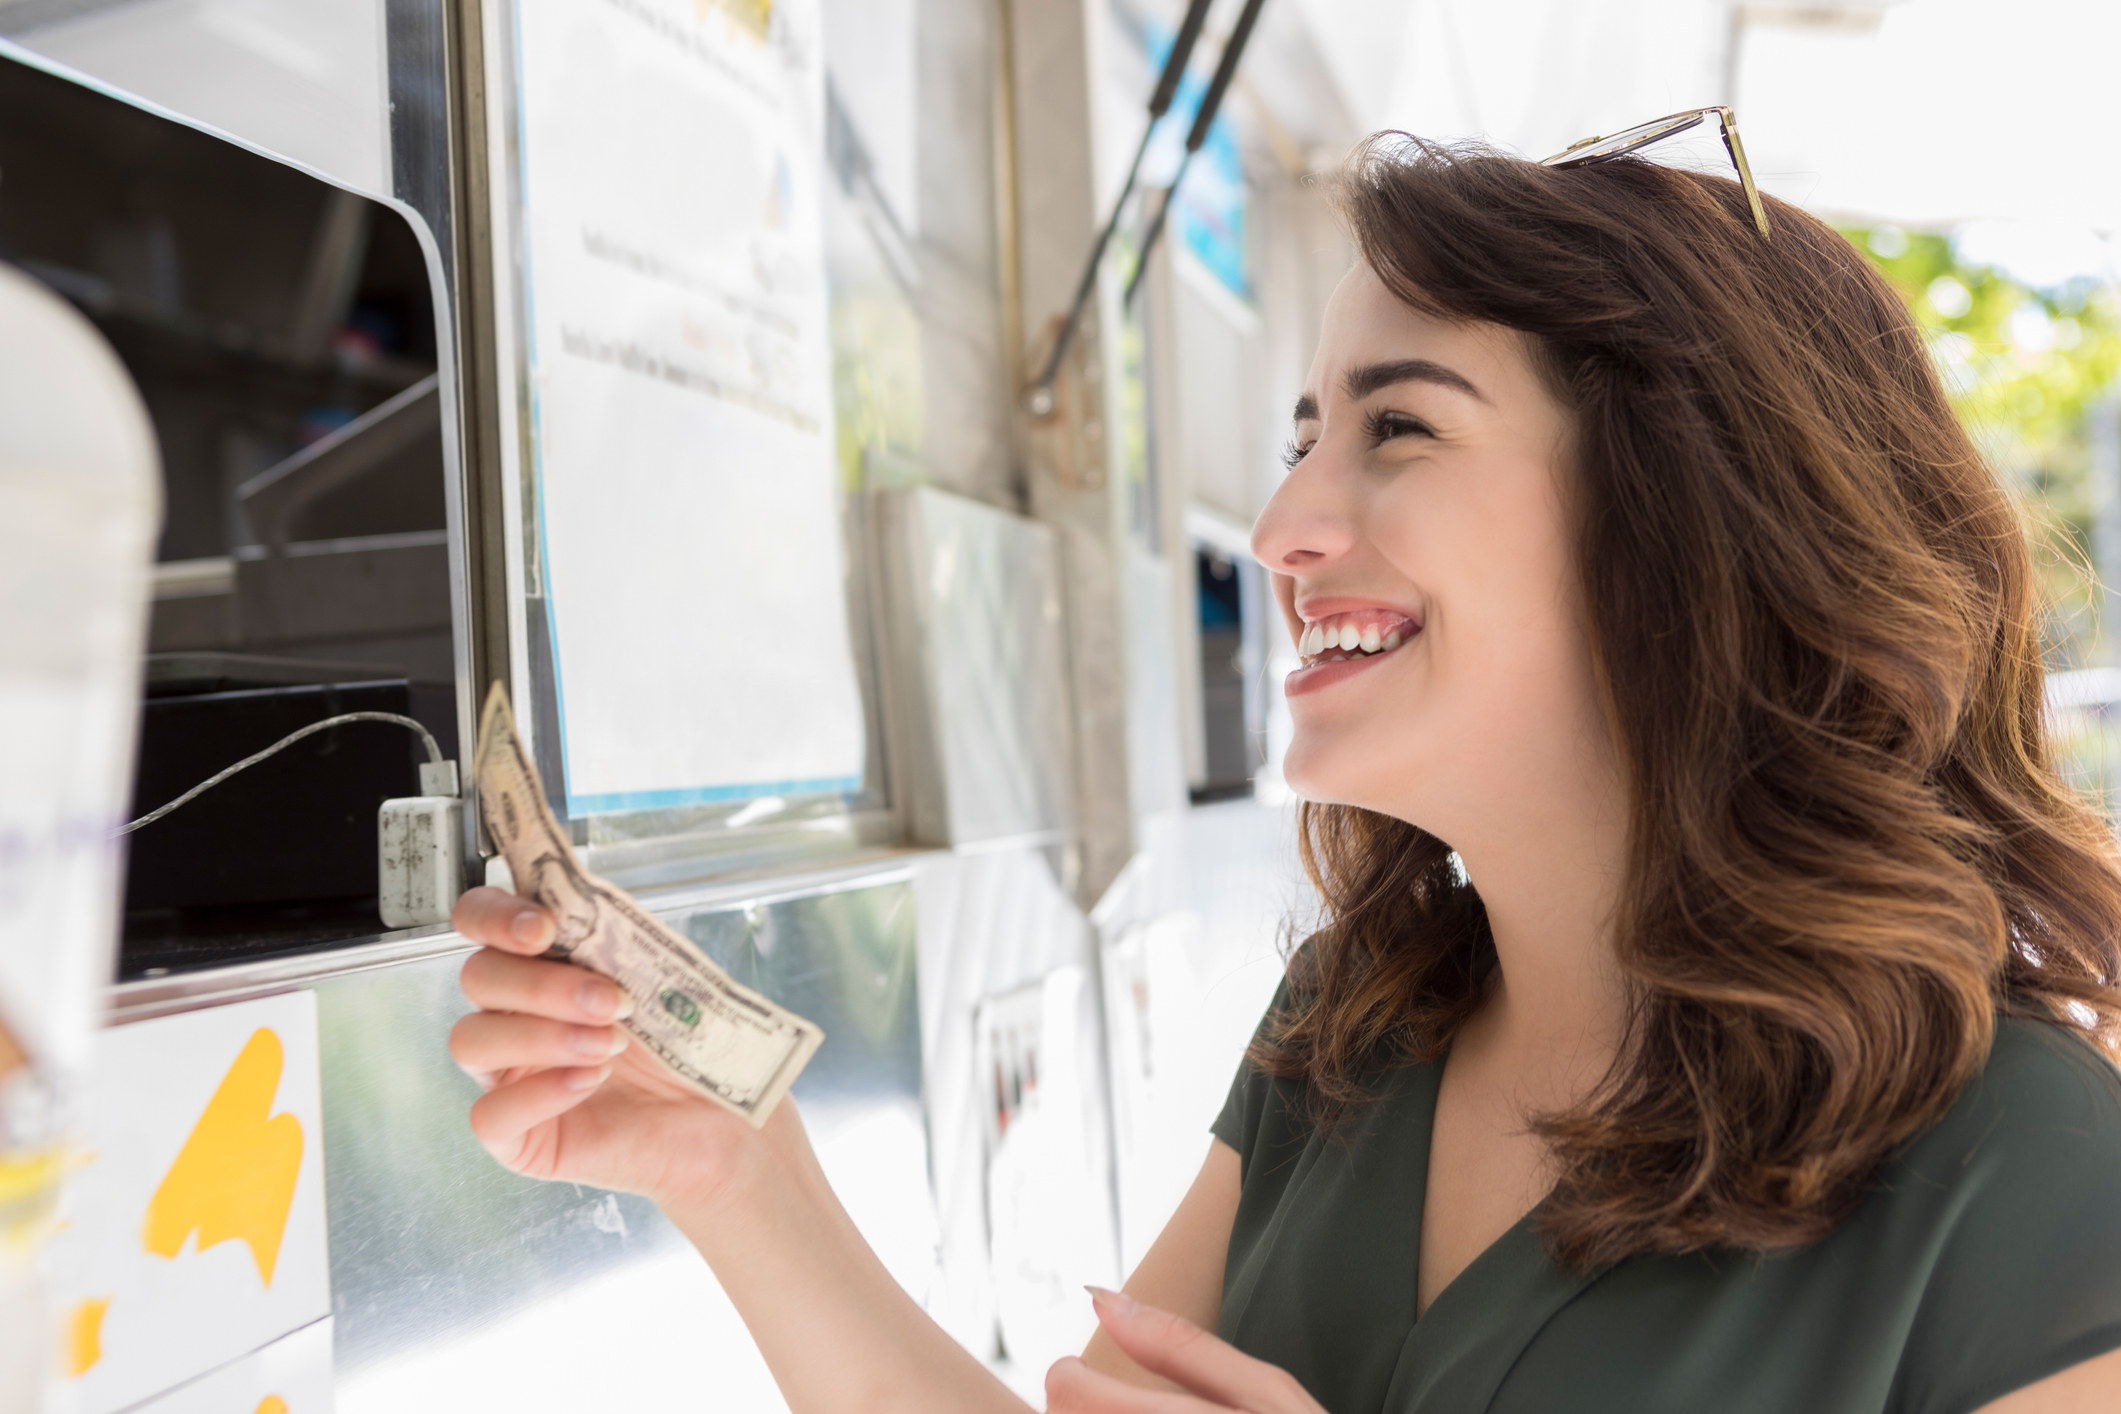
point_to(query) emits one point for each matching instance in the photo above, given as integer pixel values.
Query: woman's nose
(1307, 524)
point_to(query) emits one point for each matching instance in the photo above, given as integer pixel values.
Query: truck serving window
(283, 333)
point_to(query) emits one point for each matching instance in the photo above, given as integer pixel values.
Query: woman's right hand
(568, 1095)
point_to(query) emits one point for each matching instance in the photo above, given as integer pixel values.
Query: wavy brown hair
(1814, 621)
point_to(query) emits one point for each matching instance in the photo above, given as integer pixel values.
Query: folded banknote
(735, 1045)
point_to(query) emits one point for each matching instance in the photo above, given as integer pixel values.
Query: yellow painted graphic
(754, 16)
(235, 1176)
(12, 1056)
(271, 1404)
(84, 1335)
(29, 1195)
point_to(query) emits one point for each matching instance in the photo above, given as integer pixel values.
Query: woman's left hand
(1216, 1378)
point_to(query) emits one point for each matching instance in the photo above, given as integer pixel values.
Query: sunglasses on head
(1593, 150)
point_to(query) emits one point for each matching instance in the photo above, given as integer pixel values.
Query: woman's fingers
(488, 1042)
(1074, 1388)
(1183, 1353)
(498, 919)
(501, 981)
(504, 1119)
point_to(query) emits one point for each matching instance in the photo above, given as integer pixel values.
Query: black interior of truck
(282, 332)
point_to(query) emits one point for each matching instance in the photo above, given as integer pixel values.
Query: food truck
(670, 364)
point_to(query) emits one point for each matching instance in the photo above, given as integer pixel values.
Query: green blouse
(1988, 1257)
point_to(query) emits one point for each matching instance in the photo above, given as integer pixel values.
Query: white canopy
(1931, 113)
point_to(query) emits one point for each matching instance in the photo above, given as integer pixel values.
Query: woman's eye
(1381, 427)
(1384, 426)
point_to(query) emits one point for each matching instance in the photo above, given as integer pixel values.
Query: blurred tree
(2023, 366)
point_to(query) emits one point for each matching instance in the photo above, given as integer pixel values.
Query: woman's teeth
(1345, 636)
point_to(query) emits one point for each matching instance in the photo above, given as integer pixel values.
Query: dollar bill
(735, 1045)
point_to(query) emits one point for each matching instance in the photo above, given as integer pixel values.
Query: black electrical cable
(1203, 119)
(434, 757)
(1041, 392)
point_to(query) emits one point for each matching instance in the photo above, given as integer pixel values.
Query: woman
(1714, 1006)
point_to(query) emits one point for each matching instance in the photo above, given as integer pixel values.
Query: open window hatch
(283, 333)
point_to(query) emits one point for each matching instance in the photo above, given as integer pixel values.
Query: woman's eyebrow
(1363, 381)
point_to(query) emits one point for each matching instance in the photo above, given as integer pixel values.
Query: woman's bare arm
(2093, 1387)
(1183, 1271)
(568, 1098)
(837, 1330)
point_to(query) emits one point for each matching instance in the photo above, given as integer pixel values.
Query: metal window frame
(472, 41)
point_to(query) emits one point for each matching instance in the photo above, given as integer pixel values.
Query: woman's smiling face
(1425, 508)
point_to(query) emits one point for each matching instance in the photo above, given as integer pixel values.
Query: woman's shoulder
(2047, 1101)
(2029, 1048)
(2008, 1212)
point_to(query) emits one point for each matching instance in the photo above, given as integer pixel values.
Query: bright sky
(1951, 111)
(1954, 109)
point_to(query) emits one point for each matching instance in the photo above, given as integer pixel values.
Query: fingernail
(592, 1041)
(599, 1000)
(528, 926)
(624, 1008)
(587, 1079)
(1117, 1302)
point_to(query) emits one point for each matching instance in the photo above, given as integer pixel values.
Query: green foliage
(2023, 366)
(2021, 362)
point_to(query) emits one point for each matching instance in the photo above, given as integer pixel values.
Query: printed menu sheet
(687, 502)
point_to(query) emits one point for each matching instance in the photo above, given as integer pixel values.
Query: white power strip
(419, 851)
(419, 838)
